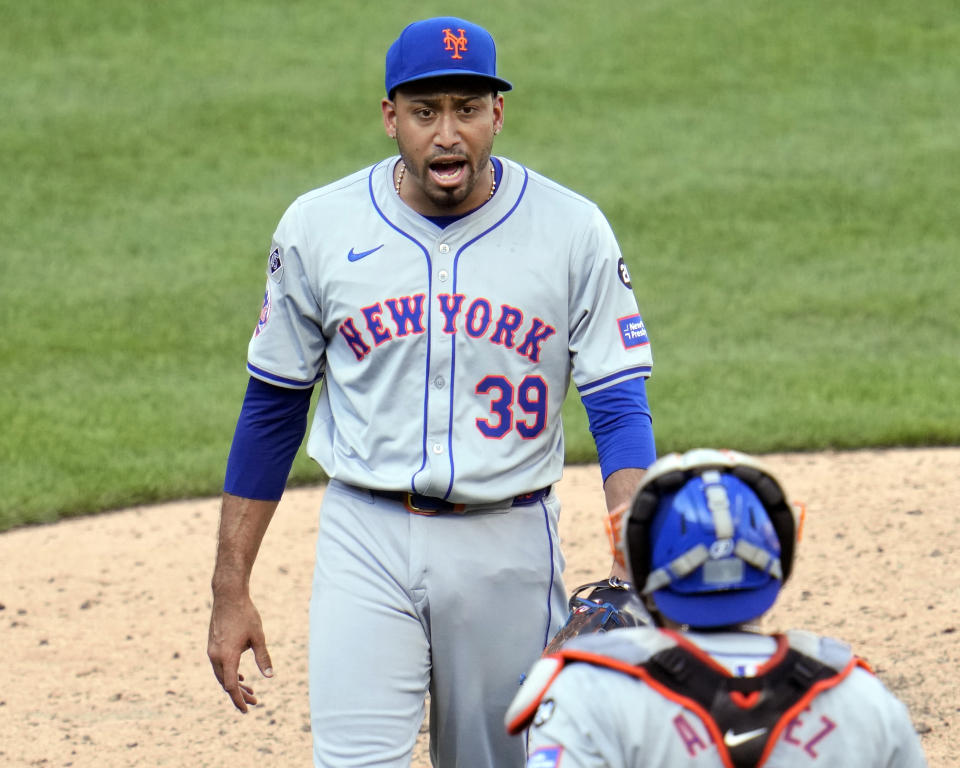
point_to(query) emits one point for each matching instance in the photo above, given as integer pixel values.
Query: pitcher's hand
(235, 626)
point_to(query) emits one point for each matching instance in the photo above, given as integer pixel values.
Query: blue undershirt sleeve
(622, 428)
(272, 423)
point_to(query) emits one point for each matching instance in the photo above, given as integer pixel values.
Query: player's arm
(622, 429)
(619, 487)
(269, 431)
(235, 622)
(618, 490)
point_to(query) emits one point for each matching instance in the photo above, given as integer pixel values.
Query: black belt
(431, 505)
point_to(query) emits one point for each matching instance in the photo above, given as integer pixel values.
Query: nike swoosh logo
(732, 739)
(354, 256)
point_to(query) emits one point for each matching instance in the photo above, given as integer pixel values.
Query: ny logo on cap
(453, 43)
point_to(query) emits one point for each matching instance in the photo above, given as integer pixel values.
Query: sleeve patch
(264, 313)
(633, 331)
(623, 273)
(545, 757)
(525, 704)
(275, 265)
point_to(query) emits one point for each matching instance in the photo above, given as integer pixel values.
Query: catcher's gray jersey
(437, 348)
(587, 715)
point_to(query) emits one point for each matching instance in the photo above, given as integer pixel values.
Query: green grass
(781, 178)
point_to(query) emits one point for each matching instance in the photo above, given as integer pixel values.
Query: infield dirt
(104, 619)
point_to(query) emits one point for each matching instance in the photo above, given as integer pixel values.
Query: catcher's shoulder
(629, 645)
(828, 650)
(618, 649)
(535, 685)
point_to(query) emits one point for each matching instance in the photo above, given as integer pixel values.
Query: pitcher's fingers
(262, 657)
(231, 684)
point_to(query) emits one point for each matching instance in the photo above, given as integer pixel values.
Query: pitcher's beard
(449, 198)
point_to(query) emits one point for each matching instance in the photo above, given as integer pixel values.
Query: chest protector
(733, 705)
(744, 715)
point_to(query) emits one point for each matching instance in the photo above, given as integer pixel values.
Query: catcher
(709, 540)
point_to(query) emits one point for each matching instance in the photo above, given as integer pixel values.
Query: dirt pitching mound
(104, 619)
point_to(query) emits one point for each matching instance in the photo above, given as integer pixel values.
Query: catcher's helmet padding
(711, 536)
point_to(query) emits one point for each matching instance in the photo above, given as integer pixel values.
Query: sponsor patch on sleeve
(632, 331)
(264, 313)
(545, 757)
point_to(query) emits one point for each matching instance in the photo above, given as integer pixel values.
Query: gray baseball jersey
(445, 354)
(590, 715)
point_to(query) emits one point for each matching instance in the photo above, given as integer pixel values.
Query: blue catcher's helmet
(710, 536)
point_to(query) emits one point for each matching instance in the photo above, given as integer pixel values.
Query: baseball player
(440, 301)
(709, 539)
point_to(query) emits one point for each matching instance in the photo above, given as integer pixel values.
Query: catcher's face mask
(710, 536)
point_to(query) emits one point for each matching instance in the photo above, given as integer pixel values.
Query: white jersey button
(439, 382)
(443, 275)
(444, 248)
(437, 448)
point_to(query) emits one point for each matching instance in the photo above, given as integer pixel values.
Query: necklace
(403, 170)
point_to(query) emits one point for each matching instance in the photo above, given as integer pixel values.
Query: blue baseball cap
(442, 46)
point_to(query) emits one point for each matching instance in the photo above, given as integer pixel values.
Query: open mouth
(448, 173)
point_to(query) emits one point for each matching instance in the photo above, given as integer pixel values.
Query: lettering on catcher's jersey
(807, 734)
(693, 734)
